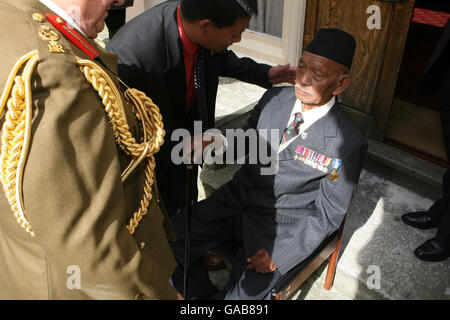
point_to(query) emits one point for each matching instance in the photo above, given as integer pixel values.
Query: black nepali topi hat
(334, 44)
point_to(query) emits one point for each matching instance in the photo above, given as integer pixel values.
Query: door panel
(350, 15)
(374, 52)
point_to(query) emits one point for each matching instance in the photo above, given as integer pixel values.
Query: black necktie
(200, 89)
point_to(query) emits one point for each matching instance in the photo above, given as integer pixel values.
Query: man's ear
(204, 26)
(343, 83)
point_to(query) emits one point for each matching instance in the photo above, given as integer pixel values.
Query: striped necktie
(293, 129)
(200, 89)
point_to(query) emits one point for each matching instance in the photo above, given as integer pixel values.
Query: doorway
(414, 124)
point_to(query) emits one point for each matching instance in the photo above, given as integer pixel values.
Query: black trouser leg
(205, 235)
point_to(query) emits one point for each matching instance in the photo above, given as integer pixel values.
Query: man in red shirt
(158, 52)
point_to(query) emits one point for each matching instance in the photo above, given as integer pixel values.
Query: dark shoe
(213, 262)
(419, 220)
(432, 251)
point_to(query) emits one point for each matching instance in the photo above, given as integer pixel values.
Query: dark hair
(223, 13)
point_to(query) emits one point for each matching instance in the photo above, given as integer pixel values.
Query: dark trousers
(172, 181)
(225, 235)
(440, 211)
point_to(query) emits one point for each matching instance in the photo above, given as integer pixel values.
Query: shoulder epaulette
(17, 99)
(47, 34)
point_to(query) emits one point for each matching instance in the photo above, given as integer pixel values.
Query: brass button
(142, 245)
(59, 20)
(38, 17)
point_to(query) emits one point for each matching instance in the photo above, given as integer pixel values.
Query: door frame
(273, 50)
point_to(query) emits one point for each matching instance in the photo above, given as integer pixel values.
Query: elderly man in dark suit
(279, 219)
(175, 53)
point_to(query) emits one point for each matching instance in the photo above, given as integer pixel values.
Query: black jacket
(151, 59)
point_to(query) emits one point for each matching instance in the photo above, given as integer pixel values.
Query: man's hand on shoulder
(281, 74)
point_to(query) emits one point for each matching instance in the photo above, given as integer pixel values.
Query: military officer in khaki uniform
(79, 210)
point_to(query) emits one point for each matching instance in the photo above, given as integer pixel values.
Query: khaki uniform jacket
(73, 195)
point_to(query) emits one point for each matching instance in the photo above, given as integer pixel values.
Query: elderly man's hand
(261, 262)
(281, 74)
(194, 148)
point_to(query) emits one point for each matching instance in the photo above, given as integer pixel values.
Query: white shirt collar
(315, 114)
(62, 14)
(309, 117)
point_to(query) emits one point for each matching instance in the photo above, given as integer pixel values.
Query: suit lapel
(279, 116)
(108, 59)
(322, 129)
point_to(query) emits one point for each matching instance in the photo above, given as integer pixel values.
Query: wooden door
(380, 29)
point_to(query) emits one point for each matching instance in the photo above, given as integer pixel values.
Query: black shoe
(213, 262)
(419, 220)
(432, 251)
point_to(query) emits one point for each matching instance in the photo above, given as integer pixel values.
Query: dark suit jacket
(436, 70)
(437, 80)
(291, 212)
(151, 59)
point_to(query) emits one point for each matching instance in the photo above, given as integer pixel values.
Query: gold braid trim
(16, 134)
(17, 128)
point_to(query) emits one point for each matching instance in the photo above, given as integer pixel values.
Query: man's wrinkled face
(91, 14)
(218, 39)
(318, 79)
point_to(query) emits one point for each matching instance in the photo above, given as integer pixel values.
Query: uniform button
(38, 17)
(142, 245)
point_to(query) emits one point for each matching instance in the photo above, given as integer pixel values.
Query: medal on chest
(336, 163)
(318, 161)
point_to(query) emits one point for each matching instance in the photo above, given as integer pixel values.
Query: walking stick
(187, 226)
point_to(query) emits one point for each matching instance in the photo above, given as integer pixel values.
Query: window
(275, 36)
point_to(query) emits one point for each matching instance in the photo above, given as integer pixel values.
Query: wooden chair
(328, 249)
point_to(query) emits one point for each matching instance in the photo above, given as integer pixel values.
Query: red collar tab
(72, 35)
